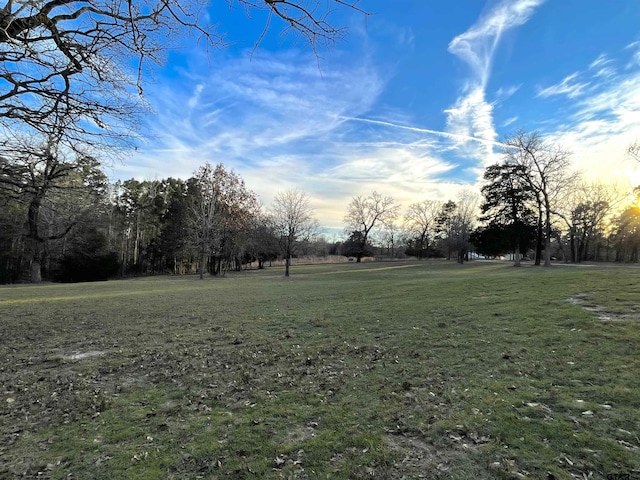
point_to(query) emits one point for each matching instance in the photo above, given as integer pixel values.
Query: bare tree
(366, 213)
(292, 219)
(544, 168)
(203, 221)
(389, 238)
(31, 168)
(220, 217)
(420, 224)
(70, 61)
(455, 222)
(584, 211)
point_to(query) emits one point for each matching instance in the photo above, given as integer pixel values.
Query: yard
(377, 370)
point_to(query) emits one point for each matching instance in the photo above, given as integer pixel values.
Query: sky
(412, 103)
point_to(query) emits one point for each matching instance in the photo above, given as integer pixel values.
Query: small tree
(454, 224)
(293, 221)
(366, 213)
(263, 244)
(420, 226)
(585, 211)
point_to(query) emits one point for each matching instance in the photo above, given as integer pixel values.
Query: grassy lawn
(419, 370)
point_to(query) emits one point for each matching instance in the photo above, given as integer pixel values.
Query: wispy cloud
(477, 45)
(282, 123)
(472, 113)
(599, 124)
(509, 121)
(569, 86)
(440, 133)
(599, 62)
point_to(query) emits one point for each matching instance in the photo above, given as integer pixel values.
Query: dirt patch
(583, 300)
(85, 355)
(424, 460)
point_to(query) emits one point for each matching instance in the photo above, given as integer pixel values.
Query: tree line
(63, 220)
(74, 74)
(72, 97)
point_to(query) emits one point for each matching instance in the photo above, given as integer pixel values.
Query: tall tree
(446, 226)
(30, 170)
(366, 213)
(293, 221)
(263, 244)
(626, 236)
(420, 225)
(544, 169)
(507, 204)
(455, 224)
(219, 218)
(585, 211)
(172, 241)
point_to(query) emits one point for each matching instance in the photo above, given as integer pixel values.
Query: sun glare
(633, 174)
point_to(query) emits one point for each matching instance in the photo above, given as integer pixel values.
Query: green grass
(341, 371)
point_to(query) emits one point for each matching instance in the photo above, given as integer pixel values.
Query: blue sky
(412, 103)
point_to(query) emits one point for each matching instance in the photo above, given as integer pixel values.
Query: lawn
(380, 370)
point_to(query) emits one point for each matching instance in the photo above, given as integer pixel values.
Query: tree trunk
(287, 262)
(36, 271)
(34, 237)
(547, 239)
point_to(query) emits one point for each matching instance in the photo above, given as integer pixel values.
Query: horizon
(413, 103)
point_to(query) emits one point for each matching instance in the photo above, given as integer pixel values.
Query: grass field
(352, 371)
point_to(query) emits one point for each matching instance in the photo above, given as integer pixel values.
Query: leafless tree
(455, 222)
(72, 71)
(69, 61)
(202, 220)
(366, 213)
(30, 170)
(220, 217)
(545, 170)
(420, 222)
(292, 220)
(584, 212)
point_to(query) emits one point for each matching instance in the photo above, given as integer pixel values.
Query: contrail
(455, 136)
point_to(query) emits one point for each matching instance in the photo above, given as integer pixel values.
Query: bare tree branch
(634, 150)
(71, 58)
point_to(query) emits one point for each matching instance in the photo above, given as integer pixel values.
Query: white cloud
(599, 62)
(600, 124)
(509, 121)
(568, 86)
(477, 45)
(195, 98)
(441, 133)
(472, 113)
(282, 123)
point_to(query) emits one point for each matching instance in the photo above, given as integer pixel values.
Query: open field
(419, 370)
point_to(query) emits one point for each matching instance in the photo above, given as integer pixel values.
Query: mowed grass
(384, 370)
